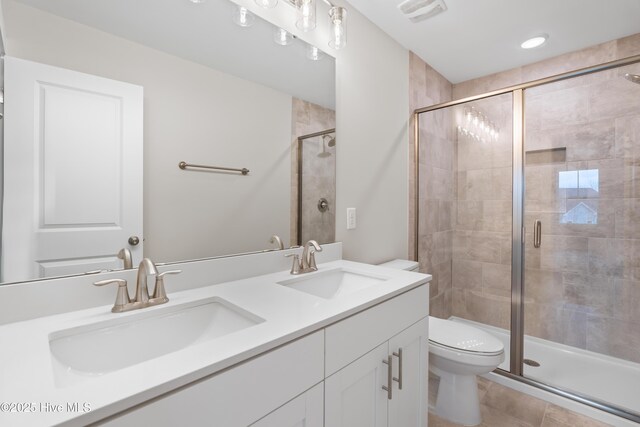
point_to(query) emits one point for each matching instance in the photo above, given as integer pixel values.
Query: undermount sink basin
(332, 284)
(100, 348)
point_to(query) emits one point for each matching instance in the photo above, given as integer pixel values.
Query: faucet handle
(159, 294)
(295, 267)
(122, 298)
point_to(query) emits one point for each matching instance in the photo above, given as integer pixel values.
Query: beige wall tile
(490, 309)
(496, 279)
(627, 217)
(555, 323)
(614, 337)
(628, 46)
(467, 275)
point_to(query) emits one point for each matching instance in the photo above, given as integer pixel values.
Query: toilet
(458, 353)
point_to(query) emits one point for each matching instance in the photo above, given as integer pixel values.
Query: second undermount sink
(332, 284)
(100, 348)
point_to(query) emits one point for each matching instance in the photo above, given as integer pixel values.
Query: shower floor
(590, 374)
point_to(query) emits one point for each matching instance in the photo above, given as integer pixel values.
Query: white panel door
(409, 407)
(72, 171)
(354, 396)
(305, 410)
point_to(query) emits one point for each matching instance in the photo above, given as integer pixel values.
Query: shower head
(332, 140)
(633, 78)
(324, 152)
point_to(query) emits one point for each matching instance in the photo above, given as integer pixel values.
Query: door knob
(134, 240)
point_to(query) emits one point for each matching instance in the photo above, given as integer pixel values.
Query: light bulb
(282, 37)
(242, 16)
(306, 14)
(338, 23)
(267, 4)
(534, 41)
(313, 53)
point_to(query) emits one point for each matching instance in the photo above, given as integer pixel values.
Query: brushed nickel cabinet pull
(389, 387)
(537, 233)
(399, 379)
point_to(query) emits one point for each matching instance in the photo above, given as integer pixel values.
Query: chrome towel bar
(184, 165)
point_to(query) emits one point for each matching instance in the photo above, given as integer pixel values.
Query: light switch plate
(351, 218)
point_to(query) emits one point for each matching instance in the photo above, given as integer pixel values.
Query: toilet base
(457, 400)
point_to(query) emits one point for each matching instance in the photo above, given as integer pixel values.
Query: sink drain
(531, 363)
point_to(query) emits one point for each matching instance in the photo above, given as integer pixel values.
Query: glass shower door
(582, 243)
(465, 210)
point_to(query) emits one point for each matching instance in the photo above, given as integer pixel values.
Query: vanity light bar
(306, 17)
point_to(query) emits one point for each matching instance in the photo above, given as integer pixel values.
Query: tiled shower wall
(482, 226)
(436, 180)
(319, 172)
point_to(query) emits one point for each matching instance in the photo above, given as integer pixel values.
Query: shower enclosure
(528, 210)
(316, 187)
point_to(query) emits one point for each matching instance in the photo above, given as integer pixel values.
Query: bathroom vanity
(344, 346)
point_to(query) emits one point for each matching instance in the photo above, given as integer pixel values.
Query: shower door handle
(537, 233)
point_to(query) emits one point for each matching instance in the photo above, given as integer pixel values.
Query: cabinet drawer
(238, 396)
(351, 338)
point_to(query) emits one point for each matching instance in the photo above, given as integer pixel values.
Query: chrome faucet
(142, 299)
(309, 256)
(146, 268)
(307, 262)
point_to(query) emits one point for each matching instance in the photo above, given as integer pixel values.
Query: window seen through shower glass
(580, 184)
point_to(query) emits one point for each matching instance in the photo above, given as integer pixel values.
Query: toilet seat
(463, 338)
(469, 352)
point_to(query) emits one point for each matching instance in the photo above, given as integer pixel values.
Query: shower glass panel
(465, 211)
(317, 187)
(582, 284)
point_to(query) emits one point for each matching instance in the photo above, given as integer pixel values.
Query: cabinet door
(354, 396)
(409, 408)
(305, 410)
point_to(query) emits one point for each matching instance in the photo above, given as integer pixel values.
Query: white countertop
(26, 368)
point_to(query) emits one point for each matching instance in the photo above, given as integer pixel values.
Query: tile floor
(505, 407)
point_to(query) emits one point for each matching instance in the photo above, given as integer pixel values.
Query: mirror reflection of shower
(316, 186)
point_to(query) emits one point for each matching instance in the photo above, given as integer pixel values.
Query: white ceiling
(204, 33)
(474, 38)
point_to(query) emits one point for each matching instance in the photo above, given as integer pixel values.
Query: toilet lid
(463, 337)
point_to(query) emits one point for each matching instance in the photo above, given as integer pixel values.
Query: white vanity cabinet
(332, 377)
(354, 394)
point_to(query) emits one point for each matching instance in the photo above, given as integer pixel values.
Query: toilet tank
(401, 264)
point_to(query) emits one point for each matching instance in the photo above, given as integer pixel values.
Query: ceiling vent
(420, 10)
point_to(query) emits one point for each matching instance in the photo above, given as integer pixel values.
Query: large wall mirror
(103, 95)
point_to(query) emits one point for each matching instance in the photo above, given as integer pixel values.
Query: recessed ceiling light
(534, 41)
